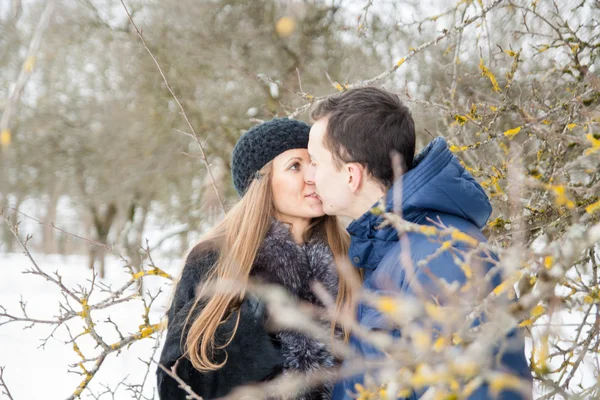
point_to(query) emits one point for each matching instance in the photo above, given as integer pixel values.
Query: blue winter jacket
(436, 187)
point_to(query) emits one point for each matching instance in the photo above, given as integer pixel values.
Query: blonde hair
(237, 238)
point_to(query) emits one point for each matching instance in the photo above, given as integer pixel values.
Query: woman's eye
(295, 166)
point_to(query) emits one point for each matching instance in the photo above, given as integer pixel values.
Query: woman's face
(293, 196)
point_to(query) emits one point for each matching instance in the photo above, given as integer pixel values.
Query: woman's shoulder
(203, 252)
(198, 262)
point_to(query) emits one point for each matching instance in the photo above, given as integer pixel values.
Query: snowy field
(33, 372)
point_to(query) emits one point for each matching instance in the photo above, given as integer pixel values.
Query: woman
(278, 234)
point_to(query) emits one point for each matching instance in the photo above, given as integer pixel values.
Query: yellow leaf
(463, 237)
(537, 311)
(422, 340)
(466, 270)
(77, 350)
(138, 275)
(503, 147)
(158, 272)
(496, 222)
(456, 149)
(456, 339)
(423, 376)
(592, 208)
(377, 210)
(460, 119)
(540, 356)
(561, 197)
(507, 284)
(428, 230)
(285, 26)
(501, 288)
(473, 109)
(446, 245)
(29, 63)
(387, 304)
(595, 144)
(471, 387)
(588, 299)
(571, 126)
(527, 322)
(548, 261)
(434, 311)
(543, 48)
(487, 73)
(493, 109)
(85, 308)
(466, 369)
(512, 132)
(504, 381)
(439, 344)
(5, 138)
(454, 385)
(148, 330)
(401, 61)
(510, 53)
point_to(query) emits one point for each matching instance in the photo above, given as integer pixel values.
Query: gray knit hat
(262, 143)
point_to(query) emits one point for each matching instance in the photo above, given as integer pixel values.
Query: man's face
(331, 183)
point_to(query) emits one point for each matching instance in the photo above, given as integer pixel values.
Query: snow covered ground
(34, 372)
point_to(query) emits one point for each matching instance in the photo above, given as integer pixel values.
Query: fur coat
(254, 354)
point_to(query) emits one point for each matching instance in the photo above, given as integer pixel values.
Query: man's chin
(329, 209)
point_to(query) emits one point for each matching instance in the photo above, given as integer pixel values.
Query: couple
(293, 181)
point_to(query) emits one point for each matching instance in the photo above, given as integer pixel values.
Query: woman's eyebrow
(293, 159)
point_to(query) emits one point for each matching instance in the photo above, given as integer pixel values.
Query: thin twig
(3, 384)
(200, 146)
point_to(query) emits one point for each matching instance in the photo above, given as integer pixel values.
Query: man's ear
(355, 176)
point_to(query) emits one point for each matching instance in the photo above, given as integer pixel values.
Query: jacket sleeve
(252, 355)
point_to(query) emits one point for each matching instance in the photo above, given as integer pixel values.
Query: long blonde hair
(237, 239)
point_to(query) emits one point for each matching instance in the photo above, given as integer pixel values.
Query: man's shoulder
(416, 248)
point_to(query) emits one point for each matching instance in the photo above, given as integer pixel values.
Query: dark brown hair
(366, 125)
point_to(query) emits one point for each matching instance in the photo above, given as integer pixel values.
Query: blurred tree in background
(97, 126)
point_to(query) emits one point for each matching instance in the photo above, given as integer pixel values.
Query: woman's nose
(309, 175)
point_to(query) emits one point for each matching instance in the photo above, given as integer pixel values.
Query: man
(362, 147)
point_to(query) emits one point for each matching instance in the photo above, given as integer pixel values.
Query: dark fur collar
(282, 261)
